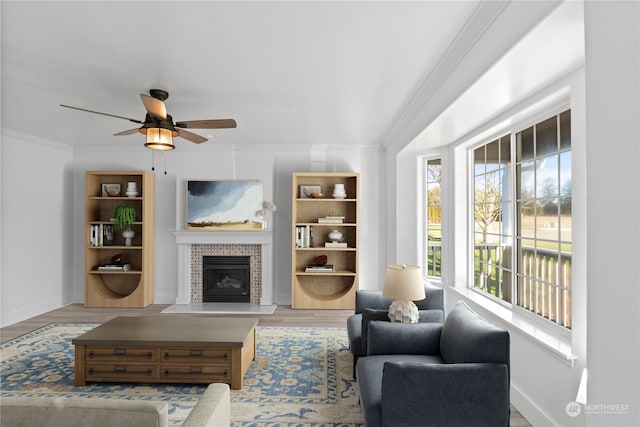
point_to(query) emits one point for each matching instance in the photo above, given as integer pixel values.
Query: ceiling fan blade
(208, 124)
(154, 106)
(127, 132)
(104, 114)
(190, 136)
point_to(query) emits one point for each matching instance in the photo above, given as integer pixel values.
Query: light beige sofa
(213, 409)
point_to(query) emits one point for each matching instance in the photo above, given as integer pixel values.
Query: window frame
(512, 130)
(424, 222)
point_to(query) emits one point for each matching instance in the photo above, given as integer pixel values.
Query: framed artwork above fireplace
(218, 205)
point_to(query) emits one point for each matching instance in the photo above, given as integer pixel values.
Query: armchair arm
(401, 338)
(213, 409)
(465, 394)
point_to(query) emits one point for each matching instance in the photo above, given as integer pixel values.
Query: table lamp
(403, 283)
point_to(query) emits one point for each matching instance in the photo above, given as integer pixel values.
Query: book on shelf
(331, 220)
(313, 268)
(115, 267)
(101, 235)
(335, 245)
(305, 236)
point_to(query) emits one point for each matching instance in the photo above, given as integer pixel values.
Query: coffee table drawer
(121, 372)
(190, 373)
(123, 354)
(196, 355)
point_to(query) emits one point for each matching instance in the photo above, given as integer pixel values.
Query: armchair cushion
(401, 338)
(369, 315)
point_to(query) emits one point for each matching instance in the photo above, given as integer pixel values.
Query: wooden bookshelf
(324, 290)
(119, 288)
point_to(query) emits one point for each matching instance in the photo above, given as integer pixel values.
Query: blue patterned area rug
(301, 377)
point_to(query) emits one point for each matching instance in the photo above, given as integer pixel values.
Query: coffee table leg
(80, 367)
(236, 368)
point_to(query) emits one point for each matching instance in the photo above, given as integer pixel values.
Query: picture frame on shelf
(307, 190)
(111, 190)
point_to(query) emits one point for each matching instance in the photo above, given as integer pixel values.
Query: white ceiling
(297, 72)
(288, 72)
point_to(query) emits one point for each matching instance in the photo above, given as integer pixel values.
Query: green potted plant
(123, 217)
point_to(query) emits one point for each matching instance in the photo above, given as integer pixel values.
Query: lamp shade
(404, 283)
(159, 139)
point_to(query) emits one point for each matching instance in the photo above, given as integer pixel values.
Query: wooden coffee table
(167, 349)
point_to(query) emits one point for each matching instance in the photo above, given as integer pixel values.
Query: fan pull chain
(153, 161)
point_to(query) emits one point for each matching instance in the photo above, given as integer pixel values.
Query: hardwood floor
(77, 313)
(283, 316)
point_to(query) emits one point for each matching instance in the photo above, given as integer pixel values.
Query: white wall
(613, 210)
(42, 221)
(36, 226)
(273, 165)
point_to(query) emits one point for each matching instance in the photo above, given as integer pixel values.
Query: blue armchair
(371, 305)
(434, 374)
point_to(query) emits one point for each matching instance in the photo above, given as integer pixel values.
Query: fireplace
(194, 245)
(226, 279)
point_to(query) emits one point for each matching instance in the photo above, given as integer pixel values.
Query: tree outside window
(433, 220)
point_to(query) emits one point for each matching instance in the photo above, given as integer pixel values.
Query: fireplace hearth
(226, 279)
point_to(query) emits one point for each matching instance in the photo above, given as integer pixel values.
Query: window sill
(557, 345)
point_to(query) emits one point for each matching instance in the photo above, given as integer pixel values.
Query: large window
(433, 217)
(522, 219)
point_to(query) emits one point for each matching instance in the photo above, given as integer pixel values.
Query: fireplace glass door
(226, 279)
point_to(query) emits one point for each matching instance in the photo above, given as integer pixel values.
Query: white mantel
(185, 239)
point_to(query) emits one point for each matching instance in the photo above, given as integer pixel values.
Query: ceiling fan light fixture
(159, 139)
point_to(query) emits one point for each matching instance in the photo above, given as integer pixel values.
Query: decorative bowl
(317, 195)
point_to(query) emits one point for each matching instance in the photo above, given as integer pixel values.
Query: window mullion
(514, 221)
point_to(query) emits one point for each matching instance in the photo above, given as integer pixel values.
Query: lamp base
(403, 312)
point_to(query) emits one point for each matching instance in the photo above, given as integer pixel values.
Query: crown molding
(35, 139)
(493, 29)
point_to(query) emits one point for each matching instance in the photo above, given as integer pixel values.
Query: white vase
(128, 235)
(132, 189)
(338, 191)
(335, 236)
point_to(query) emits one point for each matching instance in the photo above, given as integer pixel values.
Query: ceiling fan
(159, 127)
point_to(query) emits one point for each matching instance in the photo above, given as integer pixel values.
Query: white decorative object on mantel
(185, 239)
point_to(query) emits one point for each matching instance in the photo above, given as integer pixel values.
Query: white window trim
(555, 338)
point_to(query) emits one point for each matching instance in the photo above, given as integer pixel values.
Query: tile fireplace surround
(192, 244)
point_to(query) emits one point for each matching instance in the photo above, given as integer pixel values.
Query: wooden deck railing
(543, 281)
